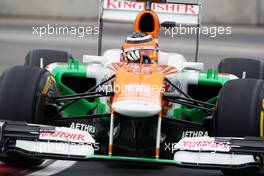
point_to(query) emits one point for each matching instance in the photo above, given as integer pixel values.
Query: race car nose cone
(136, 108)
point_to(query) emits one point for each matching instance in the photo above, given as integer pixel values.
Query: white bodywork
(137, 108)
(201, 158)
(206, 150)
(56, 148)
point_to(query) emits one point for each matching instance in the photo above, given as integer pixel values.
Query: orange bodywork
(145, 87)
(143, 82)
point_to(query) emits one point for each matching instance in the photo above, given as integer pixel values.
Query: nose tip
(136, 108)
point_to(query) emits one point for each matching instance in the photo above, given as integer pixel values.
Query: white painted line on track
(54, 168)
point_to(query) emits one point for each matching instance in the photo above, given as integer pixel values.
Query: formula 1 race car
(170, 112)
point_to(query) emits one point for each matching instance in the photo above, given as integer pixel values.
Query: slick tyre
(236, 66)
(239, 107)
(33, 57)
(238, 114)
(23, 92)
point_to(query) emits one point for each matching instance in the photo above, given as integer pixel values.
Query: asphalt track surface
(16, 39)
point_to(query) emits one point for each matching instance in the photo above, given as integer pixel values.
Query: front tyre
(238, 114)
(239, 108)
(23, 92)
(33, 57)
(236, 66)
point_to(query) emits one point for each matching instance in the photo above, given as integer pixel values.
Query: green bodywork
(171, 162)
(80, 108)
(209, 78)
(137, 159)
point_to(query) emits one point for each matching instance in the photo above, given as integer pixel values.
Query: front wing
(50, 142)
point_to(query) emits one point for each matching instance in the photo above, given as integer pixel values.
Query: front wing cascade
(50, 142)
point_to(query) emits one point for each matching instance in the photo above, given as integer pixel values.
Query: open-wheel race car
(129, 106)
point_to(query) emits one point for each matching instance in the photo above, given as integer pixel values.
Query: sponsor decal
(157, 7)
(201, 144)
(197, 144)
(47, 85)
(83, 127)
(66, 134)
(187, 134)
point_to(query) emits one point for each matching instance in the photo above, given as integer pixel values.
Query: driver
(138, 44)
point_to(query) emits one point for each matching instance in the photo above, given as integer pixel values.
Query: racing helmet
(138, 44)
